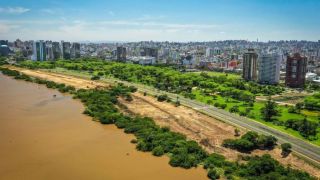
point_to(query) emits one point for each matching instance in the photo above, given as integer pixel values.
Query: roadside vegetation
(230, 93)
(251, 141)
(101, 105)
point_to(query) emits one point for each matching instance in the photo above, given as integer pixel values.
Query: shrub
(234, 109)
(158, 151)
(134, 141)
(162, 97)
(251, 141)
(286, 148)
(177, 103)
(213, 174)
(214, 160)
(209, 101)
(292, 109)
(242, 113)
(95, 78)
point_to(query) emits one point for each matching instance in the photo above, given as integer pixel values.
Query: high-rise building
(39, 51)
(75, 50)
(217, 51)
(296, 70)
(4, 49)
(269, 68)
(121, 53)
(250, 65)
(3, 42)
(66, 50)
(49, 51)
(152, 52)
(56, 50)
(209, 52)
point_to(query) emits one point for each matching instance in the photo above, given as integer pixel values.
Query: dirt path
(206, 130)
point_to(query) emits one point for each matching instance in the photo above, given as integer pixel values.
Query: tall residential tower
(250, 65)
(121, 54)
(296, 70)
(269, 68)
(39, 51)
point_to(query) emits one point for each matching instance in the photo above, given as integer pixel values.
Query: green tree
(286, 149)
(269, 110)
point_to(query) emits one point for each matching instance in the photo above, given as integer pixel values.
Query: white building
(209, 52)
(143, 60)
(311, 76)
(269, 68)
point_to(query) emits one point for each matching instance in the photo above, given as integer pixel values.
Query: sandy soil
(59, 78)
(206, 130)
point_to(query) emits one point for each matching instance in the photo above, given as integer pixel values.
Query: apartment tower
(296, 71)
(269, 68)
(250, 65)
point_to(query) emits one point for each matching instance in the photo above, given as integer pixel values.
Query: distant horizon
(160, 20)
(106, 41)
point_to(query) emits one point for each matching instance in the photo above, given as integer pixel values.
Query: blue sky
(160, 20)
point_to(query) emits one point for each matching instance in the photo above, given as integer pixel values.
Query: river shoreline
(43, 137)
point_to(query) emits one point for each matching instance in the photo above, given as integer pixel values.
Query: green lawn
(214, 73)
(256, 115)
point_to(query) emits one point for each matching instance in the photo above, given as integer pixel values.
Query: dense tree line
(166, 78)
(306, 128)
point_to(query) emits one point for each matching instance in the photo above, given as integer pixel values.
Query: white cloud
(52, 11)
(48, 11)
(13, 10)
(6, 28)
(122, 30)
(147, 17)
(157, 24)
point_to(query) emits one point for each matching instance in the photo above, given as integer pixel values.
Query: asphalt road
(301, 148)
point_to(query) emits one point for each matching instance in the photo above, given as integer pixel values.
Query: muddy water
(42, 137)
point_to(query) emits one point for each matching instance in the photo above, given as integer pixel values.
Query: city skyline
(142, 20)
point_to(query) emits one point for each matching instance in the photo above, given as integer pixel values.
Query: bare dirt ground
(287, 98)
(206, 130)
(59, 78)
(196, 126)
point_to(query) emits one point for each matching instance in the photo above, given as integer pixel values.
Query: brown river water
(42, 137)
